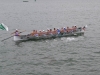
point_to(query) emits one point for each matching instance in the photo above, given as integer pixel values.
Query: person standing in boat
(16, 32)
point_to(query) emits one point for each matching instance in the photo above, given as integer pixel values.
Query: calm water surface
(61, 56)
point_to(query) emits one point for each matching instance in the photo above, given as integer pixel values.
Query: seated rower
(51, 32)
(44, 33)
(58, 31)
(36, 33)
(74, 28)
(69, 30)
(47, 32)
(40, 32)
(62, 30)
(33, 33)
(54, 31)
(65, 29)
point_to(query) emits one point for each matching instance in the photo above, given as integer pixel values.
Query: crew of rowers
(54, 31)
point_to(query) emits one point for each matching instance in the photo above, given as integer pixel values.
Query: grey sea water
(61, 56)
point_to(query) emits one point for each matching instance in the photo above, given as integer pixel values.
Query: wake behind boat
(77, 32)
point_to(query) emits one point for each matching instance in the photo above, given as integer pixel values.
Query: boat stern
(17, 38)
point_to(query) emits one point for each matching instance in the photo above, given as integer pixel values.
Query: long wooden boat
(79, 32)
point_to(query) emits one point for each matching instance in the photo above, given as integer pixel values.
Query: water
(61, 56)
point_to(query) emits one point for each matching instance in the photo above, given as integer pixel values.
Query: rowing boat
(79, 32)
(30, 37)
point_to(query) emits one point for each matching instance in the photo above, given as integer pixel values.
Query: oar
(11, 36)
(6, 38)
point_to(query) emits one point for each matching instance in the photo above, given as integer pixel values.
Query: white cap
(16, 29)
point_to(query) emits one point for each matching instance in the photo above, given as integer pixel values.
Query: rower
(36, 33)
(47, 32)
(40, 32)
(69, 30)
(43, 33)
(16, 32)
(54, 31)
(51, 32)
(75, 28)
(33, 33)
(62, 30)
(65, 30)
(58, 31)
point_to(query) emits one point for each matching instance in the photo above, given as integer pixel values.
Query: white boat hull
(17, 38)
